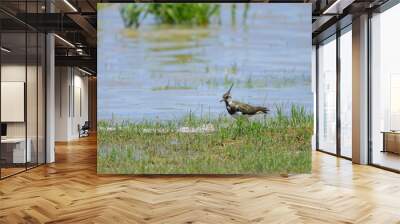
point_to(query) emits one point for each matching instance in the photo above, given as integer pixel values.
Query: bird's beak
(221, 100)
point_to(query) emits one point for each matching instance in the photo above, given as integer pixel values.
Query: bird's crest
(229, 91)
(227, 95)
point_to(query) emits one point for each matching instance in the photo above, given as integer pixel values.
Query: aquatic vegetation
(212, 83)
(228, 81)
(133, 14)
(233, 14)
(207, 69)
(183, 58)
(184, 13)
(170, 13)
(176, 35)
(172, 48)
(233, 69)
(277, 144)
(171, 87)
(286, 81)
(131, 33)
(249, 83)
(246, 12)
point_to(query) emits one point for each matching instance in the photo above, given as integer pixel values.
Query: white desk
(19, 154)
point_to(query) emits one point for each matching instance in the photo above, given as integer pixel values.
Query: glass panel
(346, 93)
(13, 79)
(314, 86)
(31, 98)
(41, 99)
(31, 88)
(23, 91)
(327, 96)
(386, 89)
(2, 161)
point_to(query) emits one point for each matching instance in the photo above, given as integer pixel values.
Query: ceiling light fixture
(64, 40)
(84, 71)
(337, 7)
(5, 50)
(70, 5)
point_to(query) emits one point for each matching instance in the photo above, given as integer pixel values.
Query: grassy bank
(281, 144)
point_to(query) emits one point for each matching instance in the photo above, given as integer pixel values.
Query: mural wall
(204, 88)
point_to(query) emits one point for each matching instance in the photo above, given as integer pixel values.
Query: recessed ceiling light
(337, 7)
(64, 40)
(70, 5)
(5, 50)
(84, 71)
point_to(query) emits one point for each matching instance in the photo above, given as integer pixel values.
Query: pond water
(164, 72)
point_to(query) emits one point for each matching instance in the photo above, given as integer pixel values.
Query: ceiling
(76, 22)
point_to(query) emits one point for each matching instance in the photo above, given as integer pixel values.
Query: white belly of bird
(239, 114)
(257, 116)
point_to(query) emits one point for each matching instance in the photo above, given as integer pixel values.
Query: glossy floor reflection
(387, 159)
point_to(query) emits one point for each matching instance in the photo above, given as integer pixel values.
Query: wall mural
(204, 88)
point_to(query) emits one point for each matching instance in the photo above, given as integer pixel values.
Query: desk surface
(13, 140)
(390, 132)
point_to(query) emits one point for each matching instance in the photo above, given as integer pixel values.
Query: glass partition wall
(334, 94)
(334, 105)
(327, 95)
(13, 90)
(385, 89)
(345, 61)
(22, 107)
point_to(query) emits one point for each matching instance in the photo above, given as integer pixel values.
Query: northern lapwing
(236, 108)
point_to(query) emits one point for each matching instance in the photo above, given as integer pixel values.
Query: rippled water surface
(164, 72)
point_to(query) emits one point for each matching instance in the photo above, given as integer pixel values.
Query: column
(360, 90)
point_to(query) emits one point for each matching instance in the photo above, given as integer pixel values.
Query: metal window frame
(339, 32)
(44, 75)
(381, 9)
(387, 5)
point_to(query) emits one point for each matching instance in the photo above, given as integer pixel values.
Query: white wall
(33, 127)
(11, 73)
(71, 87)
(17, 73)
(62, 81)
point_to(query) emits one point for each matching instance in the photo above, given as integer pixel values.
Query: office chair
(84, 130)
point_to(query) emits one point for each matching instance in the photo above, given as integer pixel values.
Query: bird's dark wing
(243, 107)
(248, 109)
